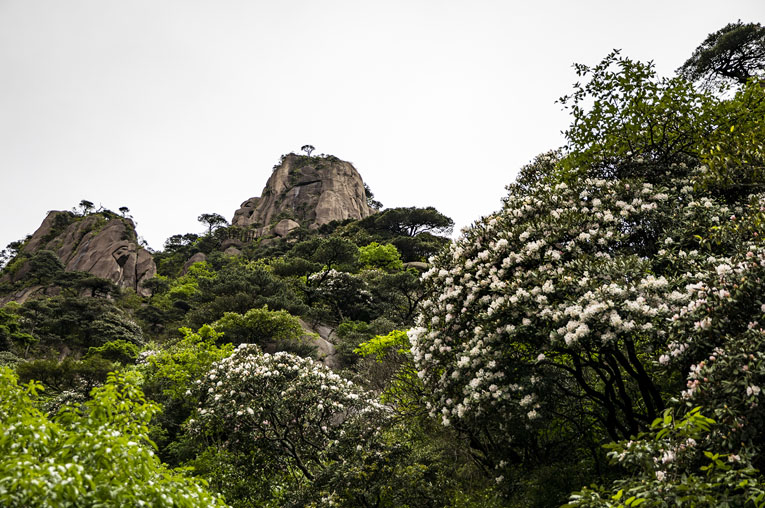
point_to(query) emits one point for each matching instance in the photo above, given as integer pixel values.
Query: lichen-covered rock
(232, 251)
(307, 191)
(102, 245)
(285, 227)
(196, 258)
(320, 336)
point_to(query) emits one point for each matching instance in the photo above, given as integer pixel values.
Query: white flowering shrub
(695, 460)
(291, 409)
(580, 305)
(99, 455)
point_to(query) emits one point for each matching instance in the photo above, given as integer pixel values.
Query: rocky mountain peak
(104, 245)
(305, 191)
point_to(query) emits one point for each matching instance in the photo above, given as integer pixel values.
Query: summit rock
(102, 245)
(305, 191)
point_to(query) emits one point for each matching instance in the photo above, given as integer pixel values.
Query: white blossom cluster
(282, 404)
(564, 269)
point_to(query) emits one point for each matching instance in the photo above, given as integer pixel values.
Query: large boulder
(103, 245)
(307, 191)
(199, 257)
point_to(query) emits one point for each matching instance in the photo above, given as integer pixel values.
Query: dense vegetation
(596, 342)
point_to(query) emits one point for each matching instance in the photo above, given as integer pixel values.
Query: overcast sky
(175, 108)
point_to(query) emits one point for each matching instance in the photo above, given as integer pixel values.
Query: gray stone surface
(285, 227)
(106, 248)
(320, 336)
(196, 258)
(310, 190)
(232, 251)
(417, 264)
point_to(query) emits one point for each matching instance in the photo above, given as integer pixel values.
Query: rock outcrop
(305, 191)
(320, 336)
(101, 245)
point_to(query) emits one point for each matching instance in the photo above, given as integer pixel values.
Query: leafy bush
(259, 326)
(97, 455)
(385, 257)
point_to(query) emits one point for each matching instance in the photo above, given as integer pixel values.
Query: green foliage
(392, 372)
(384, 257)
(735, 52)
(170, 372)
(119, 351)
(410, 221)
(67, 374)
(44, 267)
(178, 249)
(341, 296)
(259, 326)
(75, 324)
(371, 201)
(334, 252)
(157, 285)
(735, 151)
(76, 283)
(11, 330)
(97, 455)
(11, 251)
(351, 334)
(421, 247)
(239, 287)
(673, 466)
(381, 345)
(212, 221)
(627, 121)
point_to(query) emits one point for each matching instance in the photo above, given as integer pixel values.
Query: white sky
(180, 107)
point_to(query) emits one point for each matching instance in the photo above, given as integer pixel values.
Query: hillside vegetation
(596, 342)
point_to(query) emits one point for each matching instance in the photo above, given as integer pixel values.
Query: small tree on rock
(212, 221)
(86, 206)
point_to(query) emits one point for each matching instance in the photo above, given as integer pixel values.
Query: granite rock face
(196, 258)
(305, 191)
(102, 246)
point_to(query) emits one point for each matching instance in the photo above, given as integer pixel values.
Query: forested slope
(598, 341)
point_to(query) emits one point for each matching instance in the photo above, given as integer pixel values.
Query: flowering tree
(291, 409)
(575, 311)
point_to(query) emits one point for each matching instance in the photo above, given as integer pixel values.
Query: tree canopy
(736, 52)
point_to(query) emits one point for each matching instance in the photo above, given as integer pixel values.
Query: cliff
(103, 245)
(305, 191)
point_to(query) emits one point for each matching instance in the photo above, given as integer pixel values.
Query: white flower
(723, 269)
